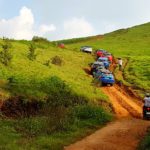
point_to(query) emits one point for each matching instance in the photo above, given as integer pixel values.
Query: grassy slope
(131, 43)
(71, 72)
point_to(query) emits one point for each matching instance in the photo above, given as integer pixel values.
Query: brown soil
(124, 105)
(122, 134)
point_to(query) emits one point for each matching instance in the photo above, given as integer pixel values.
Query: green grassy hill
(65, 96)
(71, 70)
(132, 44)
(53, 104)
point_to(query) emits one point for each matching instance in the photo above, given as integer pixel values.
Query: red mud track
(122, 134)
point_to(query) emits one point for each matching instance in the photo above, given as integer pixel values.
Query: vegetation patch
(56, 60)
(145, 143)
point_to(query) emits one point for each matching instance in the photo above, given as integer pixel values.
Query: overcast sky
(59, 19)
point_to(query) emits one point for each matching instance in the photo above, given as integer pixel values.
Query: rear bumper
(107, 81)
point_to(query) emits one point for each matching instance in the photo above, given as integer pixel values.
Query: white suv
(87, 49)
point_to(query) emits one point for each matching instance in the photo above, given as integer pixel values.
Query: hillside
(131, 44)
(47, 105)
(49, 99)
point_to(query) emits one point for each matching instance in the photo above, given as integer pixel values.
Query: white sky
(59, 19)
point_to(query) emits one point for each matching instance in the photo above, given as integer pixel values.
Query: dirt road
(124, 105)
(122, 134)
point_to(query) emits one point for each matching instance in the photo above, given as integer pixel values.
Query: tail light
(147, 108)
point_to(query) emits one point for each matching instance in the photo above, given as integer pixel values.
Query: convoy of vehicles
(100, 68)
(100, 71)
(105, 61)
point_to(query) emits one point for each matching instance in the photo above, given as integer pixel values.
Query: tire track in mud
(124, 105)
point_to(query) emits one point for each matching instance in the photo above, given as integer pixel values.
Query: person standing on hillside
(147, 100)
(120, 63)
(146, 105)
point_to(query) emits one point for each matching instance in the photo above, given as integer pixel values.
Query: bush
(92, 112)
(55, 119)
(53, 92)
(56, 108)
(39, 39)
(56, 60)
(145, 143)
(47, 63)
(5, 55)
(32, 55)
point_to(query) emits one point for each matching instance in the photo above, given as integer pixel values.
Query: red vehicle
(61, 45)
(100, 53)
(110, 58)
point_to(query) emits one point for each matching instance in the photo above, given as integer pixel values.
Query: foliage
(32, 53)
(39, 39)
(47, 63)
(61, 121)
(34, 97)
(145, 143)
(5, 55)
(39, 133)
(56, 60)
(92, 112)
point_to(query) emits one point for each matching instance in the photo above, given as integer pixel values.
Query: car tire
(144, 117)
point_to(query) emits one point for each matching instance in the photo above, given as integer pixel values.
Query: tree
(32, 55)
(39, 39)
(5, 55)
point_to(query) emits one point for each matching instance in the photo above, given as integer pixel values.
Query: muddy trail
(122, 134)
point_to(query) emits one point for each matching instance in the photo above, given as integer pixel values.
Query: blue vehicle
(107, 78)
(105, 61)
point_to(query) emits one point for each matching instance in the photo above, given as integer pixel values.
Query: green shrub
(47, 63)
(52, 93)
(32, 54)
(92, 112)
(57, 119)
(145, 143)
(5, 55)
(56, 60)
(53, 120)
(39, 39)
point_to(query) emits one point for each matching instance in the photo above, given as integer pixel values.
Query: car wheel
(144, 117)
(103, 84)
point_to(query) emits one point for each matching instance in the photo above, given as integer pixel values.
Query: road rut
(122, 134)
